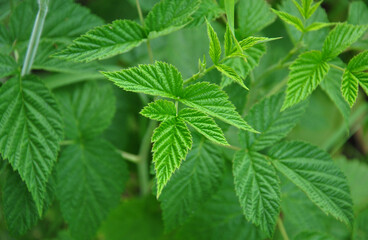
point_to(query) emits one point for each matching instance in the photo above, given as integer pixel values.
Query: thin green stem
(150, 54)
(281, 227)
(35, 37)
(67, 142)
(337, 67)
(198, 75)
(144, 150)
(129, 156)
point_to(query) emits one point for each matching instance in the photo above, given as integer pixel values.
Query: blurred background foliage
(322, 125)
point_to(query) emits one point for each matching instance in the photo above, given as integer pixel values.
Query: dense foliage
(195, 119)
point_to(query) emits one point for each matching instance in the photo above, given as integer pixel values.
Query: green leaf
(30, 132)
(313, 235)
(341, 37)
(159, 79)
(171, 143)
(209, 10)
(45, 61)
(358, 13)
(258, 189)
(87, 108)
(65, 20)
(349, 87)
(169, 15)
(251, 41)
(210, 99)
(332, 86)
(307, 9)
(314, 172)
(105, 41)
(204, 125)
(290, 19)
(8, 65)
(220, 217)
(317, 25)
(229, 9)
(228, 41)
(215, 47)
(230, 73)
(306, 72)
(253, 16)
(90, 178)
(159, 110)
(273, 124)
(199, 176)
(359, 63)
(20, 211)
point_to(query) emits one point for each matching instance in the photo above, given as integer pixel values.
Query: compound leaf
(341, 37)
(210, 99)
(169, 15)
(159, 79)
(171, 143)
(87, 108)
(105, 41)
(274, 125)
(203, 124)
(215, 47)
(258, 189)
(290, 19)
(90, 181)
(30, 132)
(199, 176)
(253, 16)
(159, 110)
(306, 72)
(313, 171)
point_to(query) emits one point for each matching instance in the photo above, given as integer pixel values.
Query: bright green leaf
(258, 189)
(349, 87)
(228, 41)
(90, 179)
(105, 41)
(317, 25)
(341, 37)
(159, 79)
(306, 72)
(229, 9)
(251, 41)
(210, 99)
(359, 63)
(203, 124)
(290, 19)
(314, 172)
(199, 176)
(215, 47)
(30, 132)
(171, 143)
(159, 110)
(230, 73)
(274, 125)
(169, 15)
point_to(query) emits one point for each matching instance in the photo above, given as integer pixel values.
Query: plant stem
(128, 156)
(143, 174)
(35, 36)
(337, 67)
(199, 75)
(150, 54)
(281, 227)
